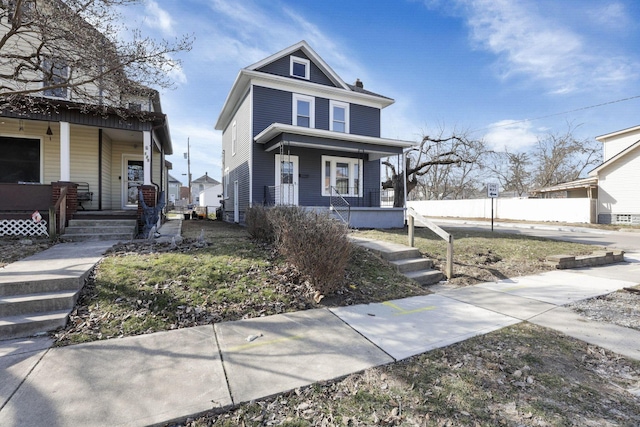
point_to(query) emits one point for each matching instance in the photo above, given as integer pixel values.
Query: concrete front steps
(406, 260)
(81, 230)
(36, 306)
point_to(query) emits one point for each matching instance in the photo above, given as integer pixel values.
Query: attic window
(300, 67)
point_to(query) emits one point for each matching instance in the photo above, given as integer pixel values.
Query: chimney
(359, 84)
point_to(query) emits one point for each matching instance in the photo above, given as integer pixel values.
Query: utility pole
(187, 156)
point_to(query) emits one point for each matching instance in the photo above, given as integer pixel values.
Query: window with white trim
(234, 138)
(304, 111)
(344, 174)
(339, 116)
(56, 72)
(299, 67)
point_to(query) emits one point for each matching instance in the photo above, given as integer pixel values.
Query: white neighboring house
(200, 185)
(174, 189)
(618, 177)
(211, 197)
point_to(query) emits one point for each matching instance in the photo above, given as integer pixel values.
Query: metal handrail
(338, 203)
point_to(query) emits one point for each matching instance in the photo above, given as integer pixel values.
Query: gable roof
(603, 138)
(566, 186)
(205, 179)
(615, 158)
(311, 54)
(251, 74)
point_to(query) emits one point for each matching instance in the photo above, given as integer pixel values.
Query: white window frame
(312, 109)
(332, 179)
(234, 138)
(56, 64)
(296, 60)
(344, 106)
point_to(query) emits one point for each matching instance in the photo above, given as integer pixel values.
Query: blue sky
(504, 69)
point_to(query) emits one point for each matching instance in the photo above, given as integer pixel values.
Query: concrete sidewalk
(157, 378)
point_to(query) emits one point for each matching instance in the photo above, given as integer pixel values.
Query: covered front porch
(101, 162)
(331, 171)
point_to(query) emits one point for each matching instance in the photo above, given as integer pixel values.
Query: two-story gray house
(294, 133)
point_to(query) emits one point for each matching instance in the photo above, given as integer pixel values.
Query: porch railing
(282, 195)
(340, 206)
(412, 216)
(54, 219)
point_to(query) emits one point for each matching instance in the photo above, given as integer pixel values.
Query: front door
(132, 179)
(286, 180)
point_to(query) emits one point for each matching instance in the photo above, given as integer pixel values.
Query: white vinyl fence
(559, 210)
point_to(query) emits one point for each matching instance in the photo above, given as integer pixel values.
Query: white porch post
(65, 152)
(146, 142)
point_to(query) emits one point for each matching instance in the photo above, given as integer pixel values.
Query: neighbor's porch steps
(80, 230)
(406, 260)
(36, 306)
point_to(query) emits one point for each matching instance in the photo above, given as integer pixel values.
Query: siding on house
(238, 164)
(618, 186)
(281, 67)
(364, 120)
(84, 160)
(616, 144)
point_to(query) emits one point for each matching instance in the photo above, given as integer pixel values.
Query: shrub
(259, 225)
(315, 243)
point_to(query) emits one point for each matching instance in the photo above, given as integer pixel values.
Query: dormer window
(299, 67)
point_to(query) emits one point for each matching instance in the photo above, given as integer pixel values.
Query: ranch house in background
(294, 133)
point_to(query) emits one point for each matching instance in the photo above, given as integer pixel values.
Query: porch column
(148, 152)
(65, 152)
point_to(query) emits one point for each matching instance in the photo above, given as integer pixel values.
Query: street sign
(492, 190)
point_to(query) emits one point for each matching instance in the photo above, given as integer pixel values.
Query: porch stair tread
(25, 325)
(408, 261)
(412, 264)
(425, 277)
(80, 230)
(15, 305)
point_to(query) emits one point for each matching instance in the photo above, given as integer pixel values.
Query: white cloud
(511, 135)
(612, 15)
(540, 46)
(158, 18)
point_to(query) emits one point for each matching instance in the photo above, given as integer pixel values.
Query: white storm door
(286, 180)
(132, 178)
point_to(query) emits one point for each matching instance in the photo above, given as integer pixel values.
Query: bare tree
(562, 158)
(513, 171)
(433, 162)
(73, 50)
